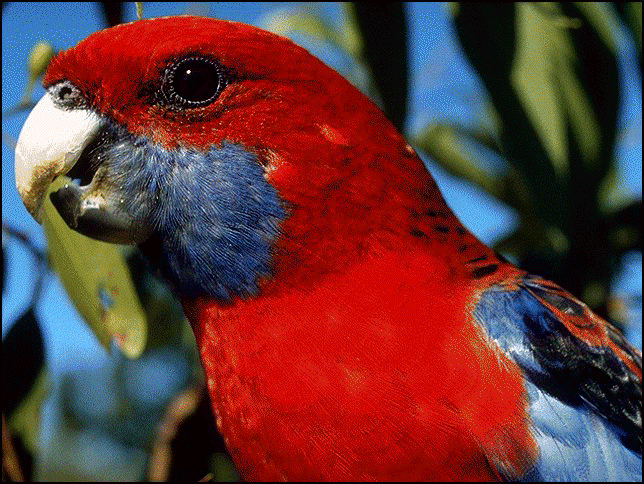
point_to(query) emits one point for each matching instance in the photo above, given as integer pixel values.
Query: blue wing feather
(584, 399)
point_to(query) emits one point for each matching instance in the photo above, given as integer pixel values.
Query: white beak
(49, 145)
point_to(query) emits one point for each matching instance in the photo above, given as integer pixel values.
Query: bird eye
(193, 82)
(67, 96)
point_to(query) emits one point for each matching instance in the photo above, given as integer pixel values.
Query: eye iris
(196, 80)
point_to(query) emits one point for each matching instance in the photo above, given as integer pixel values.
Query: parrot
(349, 326)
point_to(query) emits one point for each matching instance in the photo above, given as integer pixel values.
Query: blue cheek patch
(215, 217)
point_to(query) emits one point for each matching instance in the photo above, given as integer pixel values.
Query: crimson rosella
(349, 326)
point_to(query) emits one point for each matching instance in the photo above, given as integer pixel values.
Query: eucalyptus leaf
(98, 282)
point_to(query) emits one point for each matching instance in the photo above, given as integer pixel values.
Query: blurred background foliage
(550, 72)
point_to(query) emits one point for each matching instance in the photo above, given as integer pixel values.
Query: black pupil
(196, 81)
(65, 92)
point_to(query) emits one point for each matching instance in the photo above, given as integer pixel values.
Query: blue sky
(442, 85)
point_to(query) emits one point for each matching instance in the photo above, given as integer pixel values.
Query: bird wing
(582, 378)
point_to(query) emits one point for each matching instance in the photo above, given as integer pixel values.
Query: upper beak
(50, 143)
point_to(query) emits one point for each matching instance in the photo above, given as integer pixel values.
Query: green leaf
(625, 227)
(448, 146)
(25, 420)
(631, 14)
(385, 55)
(223, 469)
(551, 73)
(23, 357)
(493, 37)
(311, 24)
(25, 378)
(98, 282)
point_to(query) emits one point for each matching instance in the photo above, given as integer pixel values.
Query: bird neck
(382, 201)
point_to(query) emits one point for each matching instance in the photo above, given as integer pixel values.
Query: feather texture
(350, 327)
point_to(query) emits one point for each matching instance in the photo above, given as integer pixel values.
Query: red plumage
(320, 380)
(362, 356)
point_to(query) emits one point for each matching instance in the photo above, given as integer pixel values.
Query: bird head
(227, 152)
